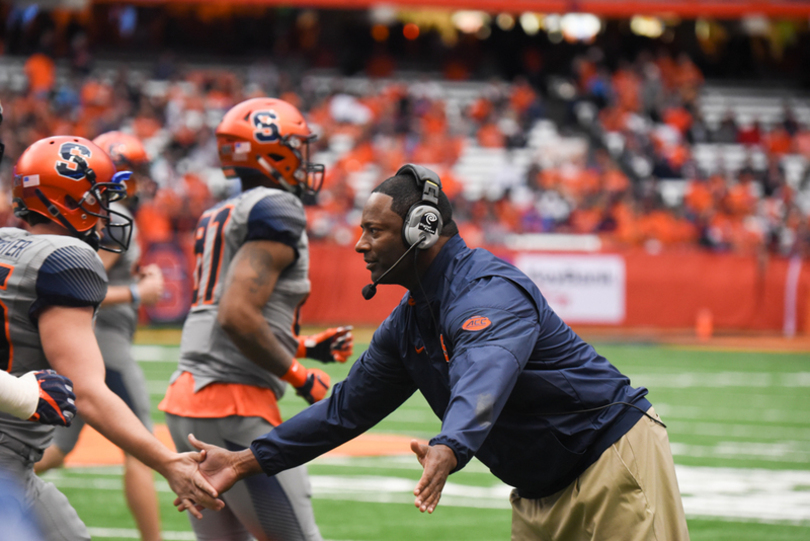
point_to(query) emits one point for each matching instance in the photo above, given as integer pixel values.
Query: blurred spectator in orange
(627, 86)
(778, 141)
(740, 199)
(699, 199)
(41, 72)
(154, 217)
(480, 109)
(801, 141)
(688, 78)
(490, 136)
(679, 118)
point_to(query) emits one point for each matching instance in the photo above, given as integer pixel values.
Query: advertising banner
(580, 288)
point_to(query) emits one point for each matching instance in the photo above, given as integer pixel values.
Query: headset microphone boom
(371, 289)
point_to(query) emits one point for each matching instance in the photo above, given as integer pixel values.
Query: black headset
(423, 221)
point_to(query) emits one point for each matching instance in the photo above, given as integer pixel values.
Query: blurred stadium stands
(697, 138)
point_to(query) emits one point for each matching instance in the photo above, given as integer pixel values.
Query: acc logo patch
(265, 126)
(476, 323)
(66, 167)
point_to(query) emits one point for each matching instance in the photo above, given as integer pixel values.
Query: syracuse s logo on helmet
(265, 126)
(116, 151)
(67, 167)
(476, 323)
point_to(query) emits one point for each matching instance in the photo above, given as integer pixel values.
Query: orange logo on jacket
(476, 323)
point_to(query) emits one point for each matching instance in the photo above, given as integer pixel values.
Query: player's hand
(315, 387)
(218, 466)
(332, 345)
(438, 461)
(57, 403)
(222, 468)
(193, 489)
(150, 285)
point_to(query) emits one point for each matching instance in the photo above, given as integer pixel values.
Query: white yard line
(131, 533)
(155, 354)
(682, 380)
(784, 451)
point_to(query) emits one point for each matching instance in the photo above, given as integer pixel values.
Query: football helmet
(127, 152)
(269, 137)
(71, 181)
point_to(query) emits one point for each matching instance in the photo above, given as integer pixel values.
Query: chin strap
(53, 211)
(90, 237)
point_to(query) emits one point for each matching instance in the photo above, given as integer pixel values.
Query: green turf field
(739, 424)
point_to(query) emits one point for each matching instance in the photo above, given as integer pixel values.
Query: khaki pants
(629, 494)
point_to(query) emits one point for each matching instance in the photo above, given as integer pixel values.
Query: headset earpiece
(423, 218)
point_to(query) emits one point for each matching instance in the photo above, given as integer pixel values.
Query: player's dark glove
(57, 403)
(316, 386)
(332, 345)
(310, 384)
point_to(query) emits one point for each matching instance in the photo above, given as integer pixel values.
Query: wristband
(296, 375)
(136, 295)
(301, 352)
(20, 395)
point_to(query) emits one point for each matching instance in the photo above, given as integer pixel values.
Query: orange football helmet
(127, 152)
(270, 137)
(72, 182)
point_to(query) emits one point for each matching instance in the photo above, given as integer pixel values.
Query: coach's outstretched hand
(193, 489)
(330, 346)
(438, 461)
(221, 468)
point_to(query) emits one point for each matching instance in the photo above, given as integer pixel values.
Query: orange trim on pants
(219, 400)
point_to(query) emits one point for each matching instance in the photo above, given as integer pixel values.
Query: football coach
(588, 457)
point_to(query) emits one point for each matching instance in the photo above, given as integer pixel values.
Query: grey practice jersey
(122, 317)
(257, 214)
(37, 271)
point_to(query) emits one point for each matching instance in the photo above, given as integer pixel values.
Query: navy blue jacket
(509, 382)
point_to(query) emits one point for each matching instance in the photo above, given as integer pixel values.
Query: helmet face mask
(268, 141)
(71, 182)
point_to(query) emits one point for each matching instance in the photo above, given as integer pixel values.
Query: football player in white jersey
(129, 287)
(239, 343)
(51, 283)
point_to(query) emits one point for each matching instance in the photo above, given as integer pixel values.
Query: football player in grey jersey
(239, 343)
(51, 282)
(117, 319)
(43, 395)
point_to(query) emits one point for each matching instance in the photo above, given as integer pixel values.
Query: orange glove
(310, 384)
(332, 345)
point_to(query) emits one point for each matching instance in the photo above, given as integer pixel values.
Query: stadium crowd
(651, 105)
